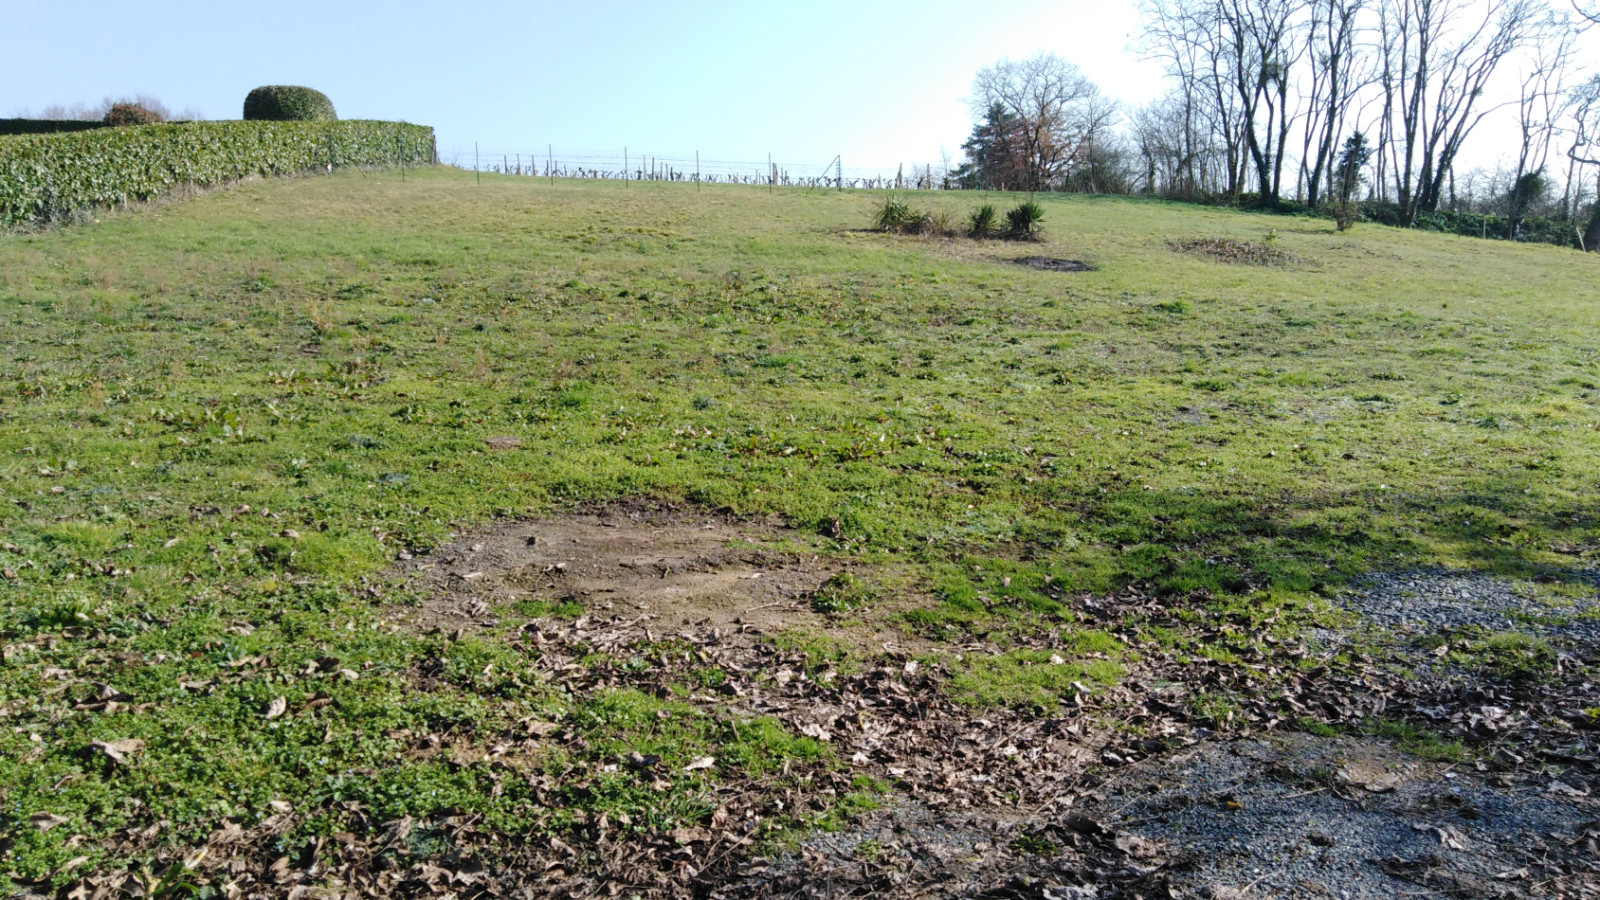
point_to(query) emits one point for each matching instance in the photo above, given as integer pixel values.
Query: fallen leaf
(45, 821)
(813, 730)
(277, 707)
(119, 751)
(1561, 787)
(701, 762)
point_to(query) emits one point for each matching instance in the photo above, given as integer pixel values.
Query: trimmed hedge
(288, 103)
(46, 126)
(47, 177)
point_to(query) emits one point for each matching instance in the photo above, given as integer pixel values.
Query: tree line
(1322, 102)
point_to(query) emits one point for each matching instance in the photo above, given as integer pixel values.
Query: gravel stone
(1439, 601)
(1284, 816)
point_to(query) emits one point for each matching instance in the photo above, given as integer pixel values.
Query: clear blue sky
(879, 81)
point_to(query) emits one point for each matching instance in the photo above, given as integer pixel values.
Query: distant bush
(131, 114)
(288, 103)
(1022, 223)
(48, 177)
(1532, 230)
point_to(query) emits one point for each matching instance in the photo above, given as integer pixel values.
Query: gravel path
(1439, 601)
(1300, 816)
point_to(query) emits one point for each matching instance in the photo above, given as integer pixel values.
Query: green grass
(222, 419)
(1038, 679)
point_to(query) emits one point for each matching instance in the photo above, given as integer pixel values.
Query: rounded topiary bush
(288, 103)
(131, 114)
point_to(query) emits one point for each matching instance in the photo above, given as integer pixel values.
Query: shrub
(1345, 214)
(895, 216)
(46, 177)
(939, 222)
(1022, 223)
(288, 103)
(131, 114)
(983, 222)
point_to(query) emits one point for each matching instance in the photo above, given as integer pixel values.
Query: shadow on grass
(1179, 543)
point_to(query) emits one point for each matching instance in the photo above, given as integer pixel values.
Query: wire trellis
(627, 166)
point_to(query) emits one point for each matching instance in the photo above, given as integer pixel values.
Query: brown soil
(666, 570)
(1052, 264)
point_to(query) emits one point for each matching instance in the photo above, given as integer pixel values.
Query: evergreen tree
(994, 155)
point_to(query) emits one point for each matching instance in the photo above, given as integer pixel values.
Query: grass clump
(1513, 655)
(841, 593)
(896, 216)
(1039, 679)
(983, 223)
(1419, 742)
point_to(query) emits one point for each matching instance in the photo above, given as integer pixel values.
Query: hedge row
(46, 126)
(47, 177)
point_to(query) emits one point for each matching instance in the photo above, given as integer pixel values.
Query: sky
(876, 82)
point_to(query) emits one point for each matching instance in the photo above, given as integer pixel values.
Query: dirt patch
(1232, 252)
(1053, 264)
(668, 570)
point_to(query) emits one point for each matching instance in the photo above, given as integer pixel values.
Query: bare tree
(1435, 71)
(1059, 110)
(1190, 37)
(1585, 148)
(1336, 74)
(1177, 159)
(1541, 104)
(1263, 48)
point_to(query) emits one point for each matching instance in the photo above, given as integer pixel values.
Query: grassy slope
(334, 351)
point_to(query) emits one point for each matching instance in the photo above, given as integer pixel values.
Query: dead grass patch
(665, 569)
(1235, 252)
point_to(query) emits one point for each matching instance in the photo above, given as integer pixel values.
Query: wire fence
(629, 166)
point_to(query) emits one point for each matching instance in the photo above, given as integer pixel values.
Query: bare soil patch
(1053, 264)
(666, 569)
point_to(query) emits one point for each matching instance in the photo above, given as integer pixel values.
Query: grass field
(224, 419)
